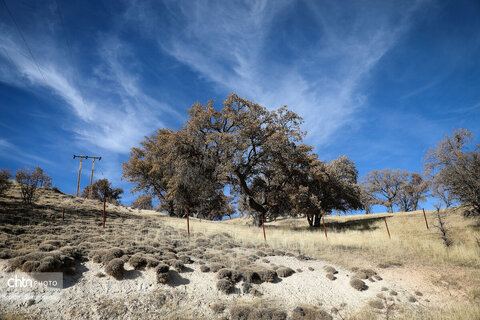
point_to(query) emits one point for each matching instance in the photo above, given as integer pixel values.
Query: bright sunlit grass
(410, 240)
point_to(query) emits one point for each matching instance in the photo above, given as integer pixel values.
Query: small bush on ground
(310, 313)
(247, 312)
(285, 272)
(225, 286)
(115, 268)
(358, 284)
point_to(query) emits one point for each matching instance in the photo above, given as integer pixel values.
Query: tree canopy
(256, 153)
(454, 167)
(102, 190)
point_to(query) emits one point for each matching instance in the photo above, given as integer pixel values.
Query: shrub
(185, 259)
(204, 268)
(30, 180)
(310, 313)
(258, 274)
(330, 269)
(377, 304)
(247, 312)
(4, 183)
(101, 189)
(225, 286)
(106, 255)
(152, 262)
(137, 261)
(162, 273)
(330, 276)
(176, 264)
(214, 267)
(285, 272)
(229, 274)
(358, 284)
(115, 268)
(217, 307)
(143, 202)
(42, 262)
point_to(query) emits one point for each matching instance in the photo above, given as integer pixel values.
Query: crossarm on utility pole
(80, 170)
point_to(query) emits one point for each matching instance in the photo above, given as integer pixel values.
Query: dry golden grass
(411, 241)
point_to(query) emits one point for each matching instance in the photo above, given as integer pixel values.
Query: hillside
(225, 270)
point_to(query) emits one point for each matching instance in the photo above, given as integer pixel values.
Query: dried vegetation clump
(225, 286)
(284, 272)
(358, 284)
(115, 268)
(250, 312)
(310, 313)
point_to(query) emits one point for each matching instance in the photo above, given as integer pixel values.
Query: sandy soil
(192, 292)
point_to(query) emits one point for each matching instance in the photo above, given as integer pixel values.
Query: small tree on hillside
(412, 192)
(29, 180)
(454, 163)
(385, 185)
(143, 202)
(4, 183)
(101, 189)
(366, 199)
(442, 193)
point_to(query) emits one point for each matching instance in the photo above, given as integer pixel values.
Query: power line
(69, 47)
(23, 38)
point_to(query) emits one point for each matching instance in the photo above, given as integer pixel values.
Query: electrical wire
(60, 16)
(24, 40)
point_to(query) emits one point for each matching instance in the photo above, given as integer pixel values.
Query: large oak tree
(256, 153)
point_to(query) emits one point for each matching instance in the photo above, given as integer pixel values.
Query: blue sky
(379, 81)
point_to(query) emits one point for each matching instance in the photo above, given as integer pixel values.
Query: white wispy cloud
(10, 151)
(113, 115)
(228, 44)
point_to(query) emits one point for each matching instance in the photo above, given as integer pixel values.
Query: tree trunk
(258, 220)
(314, 220)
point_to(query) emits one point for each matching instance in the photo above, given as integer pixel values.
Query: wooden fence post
(324, 228)
(388, 231)
(104, 201)
(425, 216)
(188, 225)
(263, 225)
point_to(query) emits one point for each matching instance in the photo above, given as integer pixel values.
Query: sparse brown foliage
(454, 166)
(385, 185)
(413, 191)
(442, 227)
(101, 189)
(143, 202)
(257, 153)
(4, 183)
(30, 180)
(388, 187)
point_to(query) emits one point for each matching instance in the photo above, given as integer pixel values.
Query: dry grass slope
(35, 236)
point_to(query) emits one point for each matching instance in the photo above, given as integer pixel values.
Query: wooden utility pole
(80, 169)
(91, 177)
